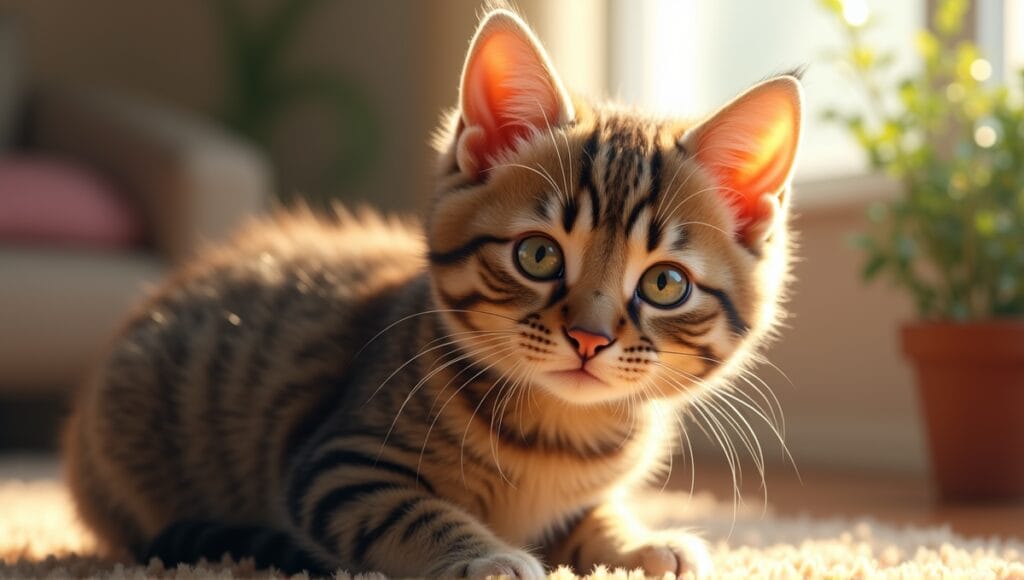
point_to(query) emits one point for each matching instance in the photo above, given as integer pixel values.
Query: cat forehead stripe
(586, 180)
(617, 159)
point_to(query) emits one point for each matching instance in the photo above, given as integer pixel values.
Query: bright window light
(856, 12)
(689, 57)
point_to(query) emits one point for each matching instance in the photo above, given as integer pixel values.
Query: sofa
(70, 270)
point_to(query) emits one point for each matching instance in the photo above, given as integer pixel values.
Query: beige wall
(851, 402)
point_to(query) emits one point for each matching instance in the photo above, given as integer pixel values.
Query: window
(1001, 35)
(691, 56)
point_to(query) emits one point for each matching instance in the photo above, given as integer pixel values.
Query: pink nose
(587, 343)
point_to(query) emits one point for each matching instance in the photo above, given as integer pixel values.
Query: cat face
(599, 254)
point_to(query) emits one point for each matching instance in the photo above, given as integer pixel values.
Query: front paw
(511, 564)
(679, 553)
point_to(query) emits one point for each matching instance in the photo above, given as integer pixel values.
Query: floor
(813, 529)
(819, 493)
(895, 499)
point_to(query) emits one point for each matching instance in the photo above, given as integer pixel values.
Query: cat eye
(539, 258)
(664, 286)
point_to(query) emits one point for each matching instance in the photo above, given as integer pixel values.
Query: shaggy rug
(40, 538)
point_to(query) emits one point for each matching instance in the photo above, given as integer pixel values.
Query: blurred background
(142, 129)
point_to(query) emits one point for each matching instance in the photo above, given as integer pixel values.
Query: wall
(851, 401)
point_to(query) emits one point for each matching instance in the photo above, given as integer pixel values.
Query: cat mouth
(580, 376)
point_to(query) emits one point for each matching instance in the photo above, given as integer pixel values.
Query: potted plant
(953, 240)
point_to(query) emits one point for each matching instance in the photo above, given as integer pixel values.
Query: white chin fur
(581, 390)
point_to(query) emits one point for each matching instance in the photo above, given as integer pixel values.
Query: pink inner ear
(751, 146)
(506, 92)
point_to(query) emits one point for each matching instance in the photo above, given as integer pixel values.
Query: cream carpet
(39, 537)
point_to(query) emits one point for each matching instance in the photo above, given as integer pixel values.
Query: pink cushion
(51, 200)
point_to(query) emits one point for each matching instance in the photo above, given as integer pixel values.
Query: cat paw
(510, 564)
(678, 553)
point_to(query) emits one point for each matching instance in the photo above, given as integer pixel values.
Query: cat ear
(750, 146)
(509, 89)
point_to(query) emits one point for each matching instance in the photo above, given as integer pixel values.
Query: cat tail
(189, 541)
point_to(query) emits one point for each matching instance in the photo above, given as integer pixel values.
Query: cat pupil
(540, 254)
(662, 281)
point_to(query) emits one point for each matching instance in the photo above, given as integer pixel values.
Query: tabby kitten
(467, 400)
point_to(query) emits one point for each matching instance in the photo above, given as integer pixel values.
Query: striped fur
(353, 392)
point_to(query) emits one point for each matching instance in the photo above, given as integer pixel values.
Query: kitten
(325, 394)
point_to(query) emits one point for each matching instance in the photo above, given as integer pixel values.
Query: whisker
(465, 333)
(543, 175)
(699, 223)
(713, 188)
(693, 458)
(721, 437)
(503, 379)
(780, 437)
(693, 171)
(685, 445)
(480, 353)
(671, 456)
(424, 381)
(668, 475)
(727, 396)
(757, 456)
(568, 156)
(669, 191)
(716, 432)
(498, 334)
(505, 353)
(520, 402)
(424, 313)
(499, 415)
(778, 421)
(554, 143)
(760, 359)
(747, 436)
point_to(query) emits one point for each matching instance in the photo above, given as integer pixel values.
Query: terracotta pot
(971, 380)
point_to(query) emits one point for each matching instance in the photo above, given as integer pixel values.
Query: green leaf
(949, 16)
(985, 223)
(957, 229)
(863, 57)
(965, 55)
(833, 6)
(926, 44)
(873, 266)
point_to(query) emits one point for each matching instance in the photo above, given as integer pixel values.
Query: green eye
(664, 286)
(539, 258)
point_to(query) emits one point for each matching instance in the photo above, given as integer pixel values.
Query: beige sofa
(191, 181)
